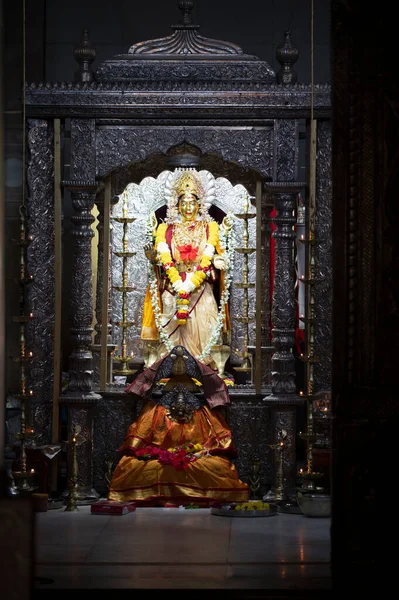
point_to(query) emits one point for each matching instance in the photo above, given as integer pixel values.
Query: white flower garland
(227, 242)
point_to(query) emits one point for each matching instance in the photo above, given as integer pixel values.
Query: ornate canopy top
(185, 39)
(181, 76)
(175, 53)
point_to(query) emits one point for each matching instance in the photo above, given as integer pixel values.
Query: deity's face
(180, 407)
(188, 207)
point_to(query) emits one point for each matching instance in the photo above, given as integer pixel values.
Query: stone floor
(172, 548)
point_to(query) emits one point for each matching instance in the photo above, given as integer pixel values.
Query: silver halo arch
(149, 196)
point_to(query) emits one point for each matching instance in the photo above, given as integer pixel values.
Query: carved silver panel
(230, 198)
(81, 418)
(283, 309)
(249, 424)
(141, 200)
(200, 70)
(254, 99)
(111, 422)
(81, 314)
(267, 205)
(323, 259)
(40, 264)
(265, 268)
(83, 149)
(252, 148)
(42, 417)
(286, 149)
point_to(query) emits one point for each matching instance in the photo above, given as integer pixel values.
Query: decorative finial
(287, 55)
(84, 55)
(184, 39)
(186, 6)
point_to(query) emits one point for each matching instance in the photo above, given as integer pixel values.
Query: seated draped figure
(179, 450)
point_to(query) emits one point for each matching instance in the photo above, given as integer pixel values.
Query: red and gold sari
(211, 478)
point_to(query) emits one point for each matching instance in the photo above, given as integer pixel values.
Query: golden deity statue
(186, 300)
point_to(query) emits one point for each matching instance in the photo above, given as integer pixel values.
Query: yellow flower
(213, 237)
(166, 258)
(197, 447)
(259, 505)
(198, 278)
(181, 301)
(173, 274)
(205, 261)
(160, 235)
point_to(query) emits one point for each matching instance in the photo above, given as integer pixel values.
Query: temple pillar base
(283, 409)
(80, 424)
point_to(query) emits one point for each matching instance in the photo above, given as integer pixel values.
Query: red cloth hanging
(299, 333)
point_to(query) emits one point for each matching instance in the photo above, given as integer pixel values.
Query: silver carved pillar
(283, 400)
(323, 259)
(99, 296)
(96, 348)
(79, 397)
(40, 264)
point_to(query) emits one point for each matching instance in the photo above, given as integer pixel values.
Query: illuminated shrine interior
(171, 353)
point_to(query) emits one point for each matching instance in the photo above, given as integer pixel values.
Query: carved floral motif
(322, 371)
(40, 264)
(83, 158)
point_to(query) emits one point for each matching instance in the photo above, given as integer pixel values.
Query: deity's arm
(152, 250)
(150, 247)
(217, 258)
(150, 253)
(227, 223)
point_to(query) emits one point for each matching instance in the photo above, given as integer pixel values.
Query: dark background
(53, 28)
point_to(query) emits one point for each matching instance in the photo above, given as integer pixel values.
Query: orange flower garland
(182, 288)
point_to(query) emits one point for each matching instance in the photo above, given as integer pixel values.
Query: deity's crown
(188, 183)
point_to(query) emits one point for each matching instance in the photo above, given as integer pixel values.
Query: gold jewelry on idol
(189, 184)
(191, 233)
